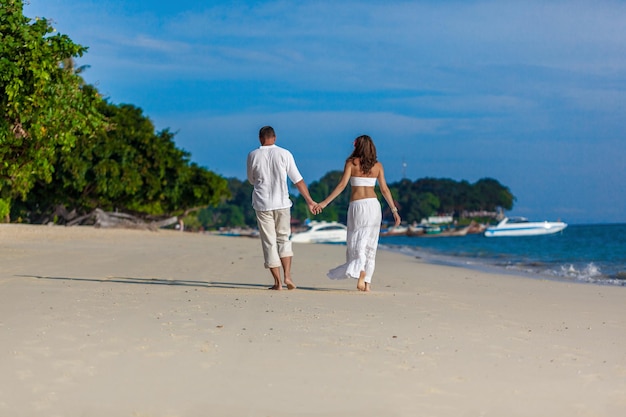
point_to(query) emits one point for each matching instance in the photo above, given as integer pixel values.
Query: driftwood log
(100, 218)
(127, 221)
(107, 219)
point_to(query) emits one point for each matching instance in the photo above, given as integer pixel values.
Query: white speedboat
(322, 232)
(520, 226)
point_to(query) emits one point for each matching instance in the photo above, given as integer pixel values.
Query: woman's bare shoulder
(377, 169)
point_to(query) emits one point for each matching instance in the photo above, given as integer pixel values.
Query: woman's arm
(384, 189)
(343, 182)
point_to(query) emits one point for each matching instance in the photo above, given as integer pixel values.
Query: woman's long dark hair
(365, 150)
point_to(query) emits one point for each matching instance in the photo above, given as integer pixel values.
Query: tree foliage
(44, 104)
(414, 204)
(490, 194)
(129, 168)
(415, 200)
(61, 145)
(236, 211)
(429, 196)
(319, 190)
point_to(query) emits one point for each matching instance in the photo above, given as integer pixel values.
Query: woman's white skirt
(364, 218)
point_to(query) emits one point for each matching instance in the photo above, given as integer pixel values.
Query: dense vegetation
(127, 168)
(63, 146)
(428, 196)
(415, 200)
(43, 102)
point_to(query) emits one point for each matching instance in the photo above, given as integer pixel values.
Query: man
(268, 169)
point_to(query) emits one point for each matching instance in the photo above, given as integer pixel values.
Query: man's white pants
(274, 231)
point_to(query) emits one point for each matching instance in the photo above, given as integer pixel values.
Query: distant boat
(322, 232)
(521, 226)
(476, 228)
(432, 229)
(395, 231)
(239, 232)
(461, 231)
(416, 230)
(423, 229)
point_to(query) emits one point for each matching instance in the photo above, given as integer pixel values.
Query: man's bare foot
(360, 285)
(276, 287)
(289, 283)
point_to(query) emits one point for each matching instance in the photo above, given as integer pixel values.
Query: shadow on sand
(176, 282)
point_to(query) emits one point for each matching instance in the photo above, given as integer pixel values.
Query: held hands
(317, 208)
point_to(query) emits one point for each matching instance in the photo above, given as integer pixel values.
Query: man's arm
(249, 170)
(304, 192)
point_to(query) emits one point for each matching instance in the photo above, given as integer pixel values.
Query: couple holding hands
(268, 168)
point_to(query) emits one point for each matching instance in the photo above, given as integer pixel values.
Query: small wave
(590, 273)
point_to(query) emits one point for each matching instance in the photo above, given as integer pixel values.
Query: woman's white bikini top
(363, 181)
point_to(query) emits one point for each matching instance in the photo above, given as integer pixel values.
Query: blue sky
(531, 93)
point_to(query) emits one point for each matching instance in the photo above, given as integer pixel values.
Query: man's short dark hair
(266, 132)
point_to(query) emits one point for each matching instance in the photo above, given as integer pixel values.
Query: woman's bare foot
(368, 288)
(360, 285)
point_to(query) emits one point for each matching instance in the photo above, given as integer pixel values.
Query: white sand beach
(135, 323)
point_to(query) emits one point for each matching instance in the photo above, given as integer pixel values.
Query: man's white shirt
(268, 169)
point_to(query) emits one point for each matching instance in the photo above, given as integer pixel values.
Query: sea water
(580, 253)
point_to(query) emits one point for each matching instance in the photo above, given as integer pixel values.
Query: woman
(362, 170)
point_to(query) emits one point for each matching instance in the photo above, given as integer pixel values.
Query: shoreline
(105, 322)
(574, 257)
(492, 268)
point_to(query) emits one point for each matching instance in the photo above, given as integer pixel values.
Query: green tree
(44, 104)
(426, 204)
(128, 168)
(492, 195)
(241, 192)
(224, 215)
(427, 196)
(235, 211)
(413, 202)
(319, 190)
